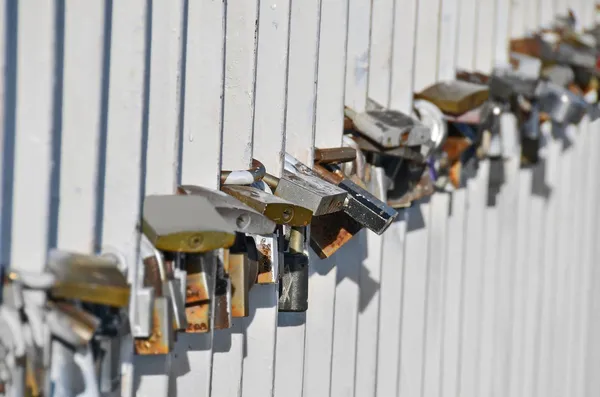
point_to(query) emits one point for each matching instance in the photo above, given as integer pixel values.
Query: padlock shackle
(271, 180)
(244, 177)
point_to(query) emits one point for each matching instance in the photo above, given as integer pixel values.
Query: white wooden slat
(546, 14)
(517, 18)
(403, 53)
(502, 36)
(238, 113)
(451, 345)
(473, 273)
(300, 115)
(508, 202)
(390, 317)
(392, 266)
(563, 292)
(353, 258)
(448, 40)
(269, 147)
(6, 132)
(328, 133)
(84, 40)
(532, 21)
(162, 145)
(465, 58)
(435, 295)
(544, 371)
(371, 248)
(485, 35)
(413, 349)
(201, 147)
(380, 58)
(34, 131)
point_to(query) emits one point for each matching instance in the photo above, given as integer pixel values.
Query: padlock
(301, 186)
(560, 75)
(200, 291)
(405, 152)
(455, 97)
(560, 104)
(223, 294)
(505, 84)
(361, 205)
(275, 208)
(412, 183)
(88, 278)
(330, 232)
(184, 223)
(269, 256)
(240, 216)
(389, 128)
(293, 285)
(496, 179)
(70, 324)
(244, 177)
(237, 266)
(334, 155)
(472, 77)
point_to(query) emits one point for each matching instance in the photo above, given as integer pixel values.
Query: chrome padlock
(280, 211)
(301, 186)
(361, 205)
(506, 83)
(88, 278)
(293, 284)
(389, 128)
(563, 106)
(240, 216)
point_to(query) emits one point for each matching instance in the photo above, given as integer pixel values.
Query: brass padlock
(240, 216)
(184, 223)
(334, 155)
(455, 97)
(200, 291)
(275, 208)
(88, 278)
(241, 264)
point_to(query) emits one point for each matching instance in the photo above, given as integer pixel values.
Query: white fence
(104, 102)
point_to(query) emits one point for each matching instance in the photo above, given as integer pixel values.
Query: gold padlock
(455, 97)
(199, 291)
(275, 208)
(184, 223)
(88, 278)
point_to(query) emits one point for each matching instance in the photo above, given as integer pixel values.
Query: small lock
(71, 324)
(162, 336)
(505, 84)
(200, 291)
(388, 128)
(280, 211)
(334, 155)
(242, 273)
(293, 285)
(412, 182)
(88, 278)
(223, 295)
(561, 105)
(361, 205)
(455, 97)
(185, 223)
(240, 216)
(268, 254)
(496, 179)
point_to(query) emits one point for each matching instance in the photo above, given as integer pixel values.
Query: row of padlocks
(202, 251)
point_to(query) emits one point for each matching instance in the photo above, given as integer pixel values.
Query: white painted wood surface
(103, 103)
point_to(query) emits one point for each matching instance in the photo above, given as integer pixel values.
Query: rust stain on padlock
(198, 317)
(156, 343)
(238, 265)
(330, 232)
(454, 147)
(266, 274)
(422, 189)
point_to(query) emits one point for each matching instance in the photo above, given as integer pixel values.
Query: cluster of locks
(202, 250)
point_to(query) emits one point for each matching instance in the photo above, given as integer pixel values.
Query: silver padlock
(389, 128)
(563, 106)
(301, 186)
(240, 217)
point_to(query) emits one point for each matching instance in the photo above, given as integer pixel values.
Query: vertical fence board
(269, 147)
(162, 140)
(389, 374)
(328, 133)
(380, 58)
(238, 113)
(300, 114)
(350, 265)
(201, 147)
(7, 107)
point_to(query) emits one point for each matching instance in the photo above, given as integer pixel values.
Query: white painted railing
(104, 102)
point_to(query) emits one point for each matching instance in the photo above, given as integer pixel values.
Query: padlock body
(293, 286)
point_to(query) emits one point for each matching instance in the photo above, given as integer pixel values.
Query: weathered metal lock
(505, 84)
(361, 205)
(88, 278)
(563, 106)
(293, 284)
(334, 155)
(241, 263)
(275, 208)
(223, 294)
(389, 128)
(455, 97)
(301, 186)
